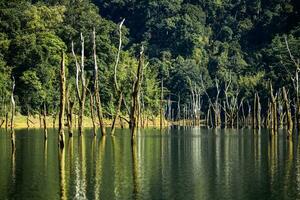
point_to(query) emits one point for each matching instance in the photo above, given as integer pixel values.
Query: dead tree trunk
(6, 117)
(62, 103)
(281, 114)
(135, 95)
(254, 119)
(288, 113)
(249, 114)
(215, 106)
(53, 119)
(27, 118)
(92, 114)
(113, 127)
(119, 91)
(274, 120)
(258, 112)
(81, 95)
(70, 116)
(12, 120)
(225, 114)
(178, 117)
(45, 121)
(96, 88)
(161, 104)
(40, 118)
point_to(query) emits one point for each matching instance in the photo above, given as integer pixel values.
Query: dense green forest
(212, 59)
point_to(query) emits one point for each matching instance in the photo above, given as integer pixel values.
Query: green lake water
(179, 163)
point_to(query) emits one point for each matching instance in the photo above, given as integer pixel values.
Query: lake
(179, 163)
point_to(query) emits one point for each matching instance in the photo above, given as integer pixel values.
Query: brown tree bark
(135, 95)
(70, 117)
(27, 118)
(62, 103)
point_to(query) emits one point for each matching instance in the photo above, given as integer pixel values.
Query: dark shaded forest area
(220, 62)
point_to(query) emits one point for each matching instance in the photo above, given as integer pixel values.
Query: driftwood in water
(135, 94)
(62, 103)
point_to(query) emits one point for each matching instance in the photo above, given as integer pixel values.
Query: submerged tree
(61, 136)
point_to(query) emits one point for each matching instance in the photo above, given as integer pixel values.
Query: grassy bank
(34, 122)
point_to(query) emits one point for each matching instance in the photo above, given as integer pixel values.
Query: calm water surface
(181, 163)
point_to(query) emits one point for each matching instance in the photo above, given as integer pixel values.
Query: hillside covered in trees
(208, 59)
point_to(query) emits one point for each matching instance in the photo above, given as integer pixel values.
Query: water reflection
(62, 175)
(181, 163)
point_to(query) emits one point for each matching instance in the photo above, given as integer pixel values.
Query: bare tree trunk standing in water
(62, 103)
(82, 96)
(92, 113)
(40, 118)
(288, 113)
(12, 120)
(44, 121)
(273, 112)
(258, 112)
(27, 118)
(254, 120)
(135, 95)
(6, 118)
(161, 104)
(119, 91)
(70, 105)
(96, 88)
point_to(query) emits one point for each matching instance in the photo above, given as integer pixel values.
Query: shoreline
(34, 122)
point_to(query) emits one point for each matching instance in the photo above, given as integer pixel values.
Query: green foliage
(184, 40)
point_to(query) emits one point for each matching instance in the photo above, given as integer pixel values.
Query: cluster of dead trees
(84, 90)
(234, 112)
